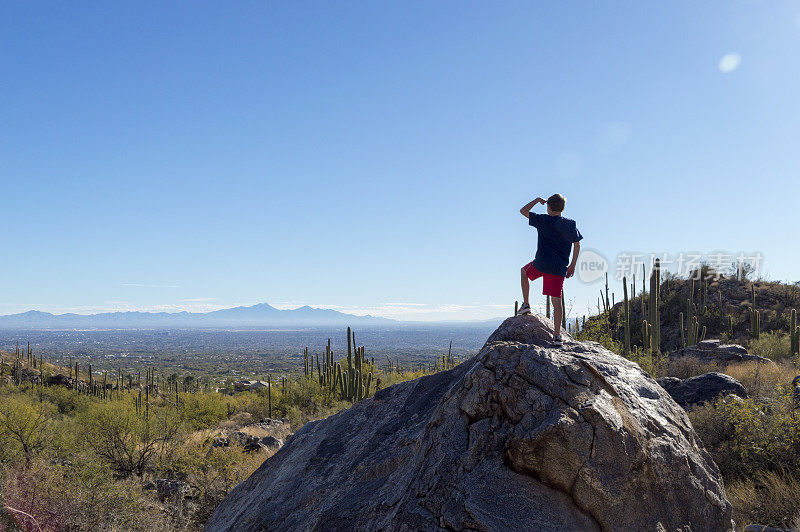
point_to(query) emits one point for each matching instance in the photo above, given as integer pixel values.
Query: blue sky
(372, 156)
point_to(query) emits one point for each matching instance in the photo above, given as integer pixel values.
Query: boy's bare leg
(557, 314)
(526, 287)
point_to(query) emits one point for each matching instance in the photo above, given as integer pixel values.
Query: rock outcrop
(59, 379)
(717, 352)
(702, 388)
(268, 434)
(522, 436)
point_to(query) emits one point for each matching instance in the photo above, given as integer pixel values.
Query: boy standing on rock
(556, 236)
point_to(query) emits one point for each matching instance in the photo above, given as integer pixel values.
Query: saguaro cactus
(626, 320)
(755, 318)
(655, 316)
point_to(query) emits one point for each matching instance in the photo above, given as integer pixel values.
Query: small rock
(763, 528)
(59, 380)
(242, 439)
(271, 442)
(702, 388)
(252, 447)
(220, 441)
(168, 489)
(714, 351)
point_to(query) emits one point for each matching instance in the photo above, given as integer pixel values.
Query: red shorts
(552, 285)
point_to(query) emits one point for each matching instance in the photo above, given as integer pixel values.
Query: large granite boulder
(523, 436)
(717, 352)
(702, 388)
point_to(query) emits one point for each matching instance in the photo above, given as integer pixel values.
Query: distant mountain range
(261, 315)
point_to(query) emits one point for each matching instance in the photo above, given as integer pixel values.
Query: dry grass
(756, 442)
(685, 367)
(198, 437)
(762, 380)
(281, 431)
(768, 498)
(236, 421)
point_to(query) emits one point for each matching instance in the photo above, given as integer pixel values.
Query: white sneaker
(524, 310)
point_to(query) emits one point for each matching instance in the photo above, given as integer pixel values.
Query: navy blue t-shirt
(556, 235)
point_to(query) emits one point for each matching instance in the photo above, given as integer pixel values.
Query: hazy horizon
(204, 312)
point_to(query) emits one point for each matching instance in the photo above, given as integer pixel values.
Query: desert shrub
(213, 472)
(714, 428)
(653, 365)
(96, 500)
(24, 426)
(202, 410)
(774, 345)
(307, 395)
(767, 498)
(598, 330)
(295, 417)
(65, 400)
(298, 417)
(390, 379)
(127, 440)
(745, 436)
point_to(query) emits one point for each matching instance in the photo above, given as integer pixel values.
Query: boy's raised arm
(524, 211)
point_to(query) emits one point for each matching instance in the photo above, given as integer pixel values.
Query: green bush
(79, 495)
(774, 345)
(24, 425)
(745, 436)
(126, 439)
(65, 400)
(202, 410)
(213, 472)
(598, 329)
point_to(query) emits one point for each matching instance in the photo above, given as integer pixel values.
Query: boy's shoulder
(546, 220)
(562, 220)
